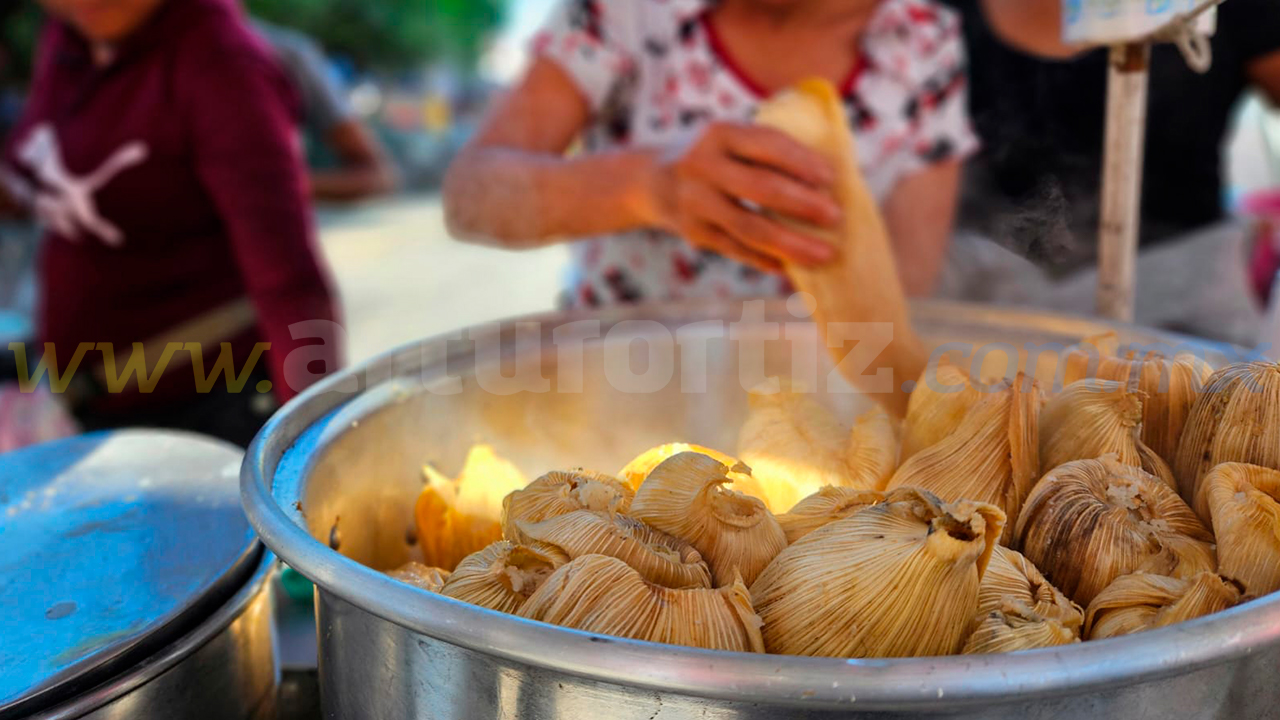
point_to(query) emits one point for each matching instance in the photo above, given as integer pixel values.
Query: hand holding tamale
(861, 285)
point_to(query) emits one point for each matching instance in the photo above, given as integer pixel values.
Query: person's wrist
(645, 189)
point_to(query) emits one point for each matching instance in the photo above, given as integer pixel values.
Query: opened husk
(1092, 418)
(1143, 601)
(1011, 576)
(502, 576)
(418, 575)
(658, 557)
(992, 457)
(458, 516)
(601, 594)
(825, 506)
(1244, 504)
(942, 397)
(895, 580)
(1013, 626)
(735, 533)
(559, 492)
(635, 472)
(1235, 419)
(1088, 522)
(795, 446)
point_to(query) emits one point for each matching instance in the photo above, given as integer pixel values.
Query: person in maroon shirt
(159, 150)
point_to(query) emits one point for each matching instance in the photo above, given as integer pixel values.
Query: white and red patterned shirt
(655, 74)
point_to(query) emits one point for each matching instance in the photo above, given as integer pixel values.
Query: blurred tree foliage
(19, 26)
(375, 34)
(390, 34)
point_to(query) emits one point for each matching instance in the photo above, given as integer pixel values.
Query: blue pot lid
(114, 544)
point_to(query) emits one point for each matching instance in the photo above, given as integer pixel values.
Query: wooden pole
(1127, 83)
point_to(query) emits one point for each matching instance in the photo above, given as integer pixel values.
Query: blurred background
(418, 75)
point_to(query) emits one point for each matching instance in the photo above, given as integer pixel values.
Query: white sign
(1106, 22)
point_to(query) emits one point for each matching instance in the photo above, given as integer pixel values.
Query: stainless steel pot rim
(809, 682)
(175, 653)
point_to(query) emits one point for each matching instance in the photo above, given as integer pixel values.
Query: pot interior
(651, 377)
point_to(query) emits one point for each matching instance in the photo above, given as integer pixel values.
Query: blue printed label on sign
(1110, 21)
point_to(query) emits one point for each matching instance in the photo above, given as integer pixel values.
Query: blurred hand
(713, 193)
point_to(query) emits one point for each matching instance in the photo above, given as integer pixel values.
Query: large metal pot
(330, 482)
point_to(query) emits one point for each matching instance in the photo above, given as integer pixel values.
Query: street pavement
(402, 278)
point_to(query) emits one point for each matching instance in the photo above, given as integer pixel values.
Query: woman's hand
(714, 192)
(720, 192)
(512, 186)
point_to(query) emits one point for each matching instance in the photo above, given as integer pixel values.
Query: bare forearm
(1033, 26)
(349, 184)
(919, 274)
(364, 167)
(920, 215)
(518, 199)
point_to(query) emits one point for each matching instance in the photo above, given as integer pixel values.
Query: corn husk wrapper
(1017, 626)
(601, 594)
(813, 113)
(735, 533)
(1244, 504)
(825, 506)
(563, 491)
(1084, 359)
(795, 446)
(1235, 419)
(993, 457)
(1142, 601)
(659, 558)
(943, 395)
(418, 575)
(635, 472)
(1010, 576)
(1076, 362)
(1092, 418)
(502, 576)
(897, 579)
(1090, 521)
(873, 449)
(458, 516)
(1169, 385)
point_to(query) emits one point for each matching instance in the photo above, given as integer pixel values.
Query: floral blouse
(655, 73)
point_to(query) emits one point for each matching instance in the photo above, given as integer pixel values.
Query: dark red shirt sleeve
(17, 183)
(239, 110)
